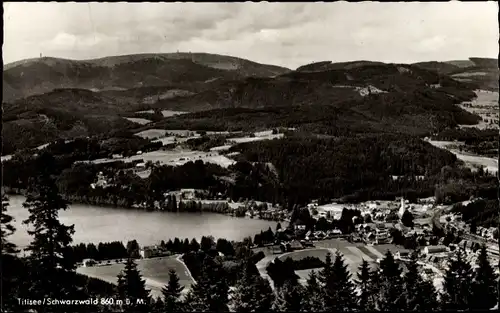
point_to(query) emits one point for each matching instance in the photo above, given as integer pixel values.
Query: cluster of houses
(319, 235)
(453, 222)
(376, 233)
(153, 251)
(263, 210)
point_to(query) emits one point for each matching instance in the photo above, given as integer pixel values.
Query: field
(470, 74)
(152, 133)
(174, 157)
(154, 271)
(137, 120)
(298, 255)
(472, 160)
(166, 140)
(486, 106)
(353, 254)
(168, 113)
(256, 138)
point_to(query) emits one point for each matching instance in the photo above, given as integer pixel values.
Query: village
(382, 226)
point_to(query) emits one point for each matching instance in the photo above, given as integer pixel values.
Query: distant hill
(329, 65)
(61, 113)
(342, 83)
(36, 76)
(478, 73)
(48, 98)
(365, 98)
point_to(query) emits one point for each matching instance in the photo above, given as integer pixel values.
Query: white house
(146, 252)
(89, 262)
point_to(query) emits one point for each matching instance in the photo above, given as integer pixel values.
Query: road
(262, 266)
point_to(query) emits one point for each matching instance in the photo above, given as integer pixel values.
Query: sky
(285, 34)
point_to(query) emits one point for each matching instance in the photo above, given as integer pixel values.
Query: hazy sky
(287, 34)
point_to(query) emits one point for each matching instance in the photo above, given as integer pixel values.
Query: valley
(233, 151)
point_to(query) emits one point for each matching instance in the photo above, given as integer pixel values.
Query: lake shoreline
(104, 224)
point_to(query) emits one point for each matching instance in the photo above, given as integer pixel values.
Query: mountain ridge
(36, 76)
(52, 98)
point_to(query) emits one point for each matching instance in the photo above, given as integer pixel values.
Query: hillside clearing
(168, 113)
(141, 121)
(173, 158)
(155, 272)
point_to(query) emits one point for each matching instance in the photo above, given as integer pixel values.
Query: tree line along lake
(94, 224)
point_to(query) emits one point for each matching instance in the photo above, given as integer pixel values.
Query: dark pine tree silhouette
(252, 293)
(172, 293)
(391, 298)
(194, 245)
(313, 295)
(51, 239)
(6, 229)
(407, 219)
(132, 289)
(11, 267)
(211, 290)
(343, 291)
(338, 291)
(485, 294)
(289, 298)
(367, 290)
(420, 294)
(458, 284)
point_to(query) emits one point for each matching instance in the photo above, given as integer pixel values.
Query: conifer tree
(158, 306)
(338, 290)
(313, 296)
(194, 245)
(11, 267)
(391, 298)
(51, 239)
(211, 291)
(367, 290)
(326, 271)
(252, 292)
(289, 298)
(6, 229)
(172, 293)
(485, 294)
(343, 291)
(458, 284)
(420, 294)
(132, 289)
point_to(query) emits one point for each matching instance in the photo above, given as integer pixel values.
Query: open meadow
(353, 254)
(174, 157)
(155, 272)
(138, 120)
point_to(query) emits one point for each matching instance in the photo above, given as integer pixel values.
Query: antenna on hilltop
(40, 54)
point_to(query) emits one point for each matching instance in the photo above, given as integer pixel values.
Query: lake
(99, 224)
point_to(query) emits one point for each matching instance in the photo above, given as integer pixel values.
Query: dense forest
(289, 171)
(360, 167)
(415, 114)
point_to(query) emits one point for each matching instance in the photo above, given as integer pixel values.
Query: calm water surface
(99, 224)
